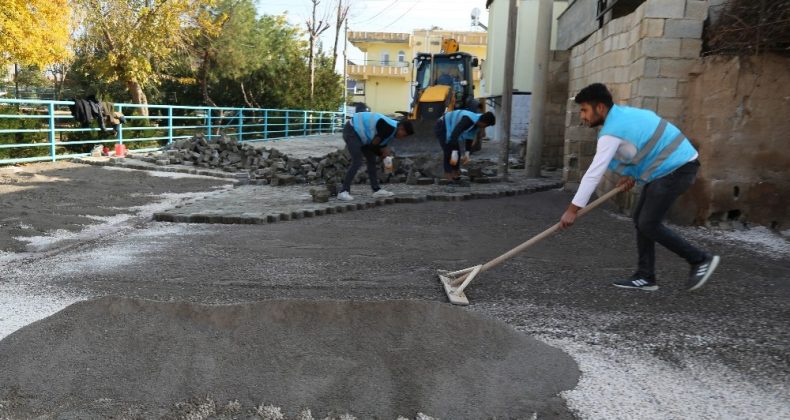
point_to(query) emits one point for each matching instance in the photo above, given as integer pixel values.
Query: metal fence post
(120, 126)
(52, 131)
(287, 122)
(208, 124)
(241, 125)
(169, 124)
(304, 124)
(265, 124)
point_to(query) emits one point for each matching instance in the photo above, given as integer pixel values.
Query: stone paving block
(164, 217)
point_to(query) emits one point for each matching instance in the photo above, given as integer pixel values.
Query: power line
(401, 16)
(378, 14)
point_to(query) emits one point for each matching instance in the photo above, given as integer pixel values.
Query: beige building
(526, 38)
(494, 69)
(383, 78)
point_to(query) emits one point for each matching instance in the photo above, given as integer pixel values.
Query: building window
(385, 58)
(359, 88)
(401, 58)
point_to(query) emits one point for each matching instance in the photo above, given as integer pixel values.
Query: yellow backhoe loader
(441, 83)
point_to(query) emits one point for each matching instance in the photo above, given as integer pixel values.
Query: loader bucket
(422, 142)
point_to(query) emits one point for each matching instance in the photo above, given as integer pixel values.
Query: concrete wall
(554, 122)
(526, 37)
(734, 116)
(554, 128)
(576, 23)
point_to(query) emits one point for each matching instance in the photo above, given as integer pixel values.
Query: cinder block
(643, 67)
(678, 68)
(683, 28)
(653, 28)
(690, 48)
(651, 86)
(696, 9)
(665, 8)
(588, 148)
(650, 103)
(633, 36)
(670, 107)
(661, 47)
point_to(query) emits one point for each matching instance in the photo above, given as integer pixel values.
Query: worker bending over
(642, 147)
(368, 134)
(457, 133)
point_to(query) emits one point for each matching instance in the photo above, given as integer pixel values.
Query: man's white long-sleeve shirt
(607, 148)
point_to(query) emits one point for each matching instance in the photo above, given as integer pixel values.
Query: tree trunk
(244, 95)
(138, 96)
(310, 65)
(338, 25)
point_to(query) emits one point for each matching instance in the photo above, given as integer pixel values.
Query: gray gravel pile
(385, 359)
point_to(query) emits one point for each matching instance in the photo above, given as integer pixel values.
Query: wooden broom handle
(546, 233)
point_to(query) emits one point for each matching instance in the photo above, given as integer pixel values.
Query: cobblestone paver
(259, 204)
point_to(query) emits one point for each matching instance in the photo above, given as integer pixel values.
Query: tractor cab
(441, 82)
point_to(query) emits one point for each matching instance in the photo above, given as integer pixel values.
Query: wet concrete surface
(370, 359)
(559, 290)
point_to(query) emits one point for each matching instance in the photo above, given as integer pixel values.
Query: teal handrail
(37, 124)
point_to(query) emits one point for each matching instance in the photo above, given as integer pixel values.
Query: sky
(384, 15)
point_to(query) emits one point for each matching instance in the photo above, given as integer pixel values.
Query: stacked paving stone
(270, 166)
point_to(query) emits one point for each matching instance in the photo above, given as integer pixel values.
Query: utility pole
(538, 100)
(507, 88)
(345, 69)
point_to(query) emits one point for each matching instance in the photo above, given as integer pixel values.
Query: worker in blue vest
(368, 134)
(642, 148)
(457, 132)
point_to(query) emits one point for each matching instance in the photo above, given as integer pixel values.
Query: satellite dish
(476, 14)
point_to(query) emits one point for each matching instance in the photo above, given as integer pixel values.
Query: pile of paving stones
(268, 165)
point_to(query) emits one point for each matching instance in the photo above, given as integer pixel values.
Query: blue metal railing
(28, 126)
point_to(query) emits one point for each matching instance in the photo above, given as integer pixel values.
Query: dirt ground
(42, 198)
(717, 353)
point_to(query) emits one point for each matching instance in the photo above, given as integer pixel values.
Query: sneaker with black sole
(636, 283)
(700, 273)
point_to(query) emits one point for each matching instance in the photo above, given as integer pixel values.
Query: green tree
(34, 32)
(133, 41)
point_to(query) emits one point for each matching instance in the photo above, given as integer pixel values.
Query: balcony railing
(397, 37)
(380, 68)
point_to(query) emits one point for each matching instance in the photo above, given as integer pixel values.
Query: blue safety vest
(452, 118)
(660, 146)
(365, 126)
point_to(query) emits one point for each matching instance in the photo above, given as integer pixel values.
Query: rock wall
(734, 115)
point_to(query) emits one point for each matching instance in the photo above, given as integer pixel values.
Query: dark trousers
(654, 202)
(440, 130)
(357, 150)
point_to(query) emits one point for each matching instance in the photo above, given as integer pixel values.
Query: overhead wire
(401, 16)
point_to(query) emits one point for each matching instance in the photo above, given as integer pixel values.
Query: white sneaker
(344, 196)
(382, 193)
(454, 157)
